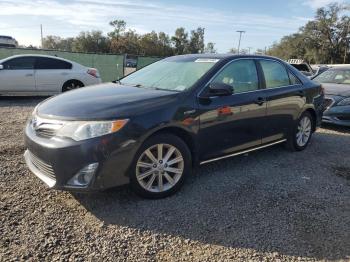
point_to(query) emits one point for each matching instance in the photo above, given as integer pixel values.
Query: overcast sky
(265, 21)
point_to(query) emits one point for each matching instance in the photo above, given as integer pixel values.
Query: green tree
(119, 27)
(165, 48)
(322, 40)
(128, 43)
(180, 40)
(58, 43)
(196, 43)
(93, 42)
(210, 48)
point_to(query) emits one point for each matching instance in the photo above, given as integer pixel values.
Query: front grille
(344, 118)
(328, 102)
(43, 167)
(45, 132)
(46, 128)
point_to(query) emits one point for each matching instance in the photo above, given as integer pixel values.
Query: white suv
(43, 75)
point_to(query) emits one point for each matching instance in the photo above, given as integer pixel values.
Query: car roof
(36, 55)
(227, 56)
(340, 67)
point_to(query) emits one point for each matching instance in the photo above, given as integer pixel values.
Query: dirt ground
(270, 205)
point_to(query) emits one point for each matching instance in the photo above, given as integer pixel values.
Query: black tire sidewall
(161, 139)
(66, 84)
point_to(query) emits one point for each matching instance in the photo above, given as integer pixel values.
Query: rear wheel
(71, 85)
(160, 167)
(302, 133)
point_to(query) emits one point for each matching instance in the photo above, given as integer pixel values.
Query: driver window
(241, 75)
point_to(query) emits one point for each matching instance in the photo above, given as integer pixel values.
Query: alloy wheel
(72, 86)
(159, 168)
(304, 131)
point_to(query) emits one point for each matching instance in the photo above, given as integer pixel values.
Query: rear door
(232, 123)
(285, 99)
(17, 75)
(50, 74)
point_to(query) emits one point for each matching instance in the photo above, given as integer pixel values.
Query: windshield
(334, 76)
(170, 75)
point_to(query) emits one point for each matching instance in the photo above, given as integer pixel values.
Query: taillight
(93, 72)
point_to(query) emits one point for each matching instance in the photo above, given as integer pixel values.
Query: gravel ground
(268, 205)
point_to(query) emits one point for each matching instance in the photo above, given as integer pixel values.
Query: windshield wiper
(134, 85)
(164, 89)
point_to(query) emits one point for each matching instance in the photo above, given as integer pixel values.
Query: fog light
(84, 176)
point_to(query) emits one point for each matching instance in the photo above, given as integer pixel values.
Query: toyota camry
(152, 127)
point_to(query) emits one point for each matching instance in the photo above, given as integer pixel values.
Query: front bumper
(338, 115)
(56, 160)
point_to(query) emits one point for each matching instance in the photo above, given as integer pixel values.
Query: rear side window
(275, 74)
(241, 75)
(20, 63)
(293, 79)
(51, 63)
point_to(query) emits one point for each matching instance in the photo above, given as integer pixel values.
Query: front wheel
(302, 133)
(160, 166)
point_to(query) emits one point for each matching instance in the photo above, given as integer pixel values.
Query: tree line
(324, 40)
(126, 41)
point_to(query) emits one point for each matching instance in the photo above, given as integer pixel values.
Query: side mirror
(220, 89)
(1, 67)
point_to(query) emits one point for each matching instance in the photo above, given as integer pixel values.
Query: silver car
(43, 75)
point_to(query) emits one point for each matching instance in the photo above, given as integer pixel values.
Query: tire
(160, 178)
(301, 134)
(71, 85)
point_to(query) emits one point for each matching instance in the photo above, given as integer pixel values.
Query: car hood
(336, 89)
(105, 101)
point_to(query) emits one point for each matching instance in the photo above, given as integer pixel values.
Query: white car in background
(43, 75)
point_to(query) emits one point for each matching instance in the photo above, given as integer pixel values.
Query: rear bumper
(55, 161)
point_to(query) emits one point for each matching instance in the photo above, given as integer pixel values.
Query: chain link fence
(110, 66)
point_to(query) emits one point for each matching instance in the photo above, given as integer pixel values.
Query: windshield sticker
(206, 60)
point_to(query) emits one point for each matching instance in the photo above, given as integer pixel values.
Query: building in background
(7, 41)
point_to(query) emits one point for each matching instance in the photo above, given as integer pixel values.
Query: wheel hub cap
(304, 131)
(159, 168)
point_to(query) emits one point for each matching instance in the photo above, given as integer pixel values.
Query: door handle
(260, 101)
(29, 75)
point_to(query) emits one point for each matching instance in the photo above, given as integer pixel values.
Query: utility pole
(240, 37)
(41, 33)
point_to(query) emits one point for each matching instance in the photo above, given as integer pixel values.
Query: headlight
(80, 130)
(344, 102)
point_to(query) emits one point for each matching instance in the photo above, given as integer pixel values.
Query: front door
(17, 75)
(232, 123)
